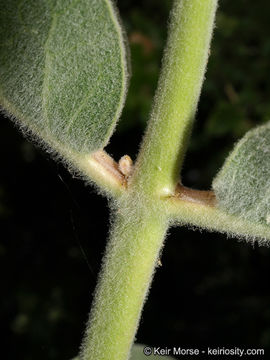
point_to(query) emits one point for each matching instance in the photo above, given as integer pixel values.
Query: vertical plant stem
(176, 100)
(131, 257)
(141, 218)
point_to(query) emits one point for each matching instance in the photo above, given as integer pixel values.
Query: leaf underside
(63, 69)
(242, 186)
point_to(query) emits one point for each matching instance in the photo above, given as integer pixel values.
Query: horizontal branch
(195, 196)
(198, 208)
(103, 171)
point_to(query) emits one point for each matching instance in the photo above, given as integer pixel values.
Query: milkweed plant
(65, 86)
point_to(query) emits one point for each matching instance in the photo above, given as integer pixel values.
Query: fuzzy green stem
(141, 218)
(176, 100)
(205, 214)
(128, 266)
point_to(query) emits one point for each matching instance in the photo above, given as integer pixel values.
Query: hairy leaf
(141, 352)
(242, 186)
(63, 72)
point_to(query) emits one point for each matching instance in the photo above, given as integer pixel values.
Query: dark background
(210, 291)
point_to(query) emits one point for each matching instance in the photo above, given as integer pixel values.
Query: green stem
(141, 216)
(208, 216)
(128, 266)
(175, 104)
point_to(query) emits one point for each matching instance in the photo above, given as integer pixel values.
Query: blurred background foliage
(210, 290)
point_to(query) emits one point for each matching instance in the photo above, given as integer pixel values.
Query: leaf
(242, 186)
(63, 71)
(137, 353)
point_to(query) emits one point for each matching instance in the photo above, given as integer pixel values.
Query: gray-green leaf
(63, 71)
(138, 352)
(242, 186)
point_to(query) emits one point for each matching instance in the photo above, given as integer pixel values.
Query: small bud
(125, 165)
